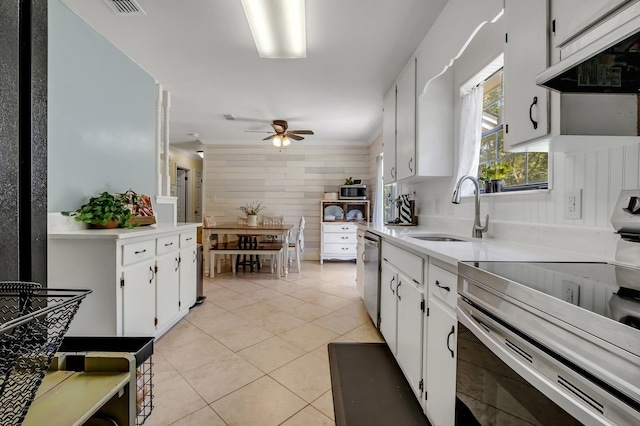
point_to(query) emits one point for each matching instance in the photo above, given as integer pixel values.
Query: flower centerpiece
(251, 210)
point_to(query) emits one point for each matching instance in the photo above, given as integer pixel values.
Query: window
(525, 170)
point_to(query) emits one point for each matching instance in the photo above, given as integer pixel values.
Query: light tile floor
(255, 352)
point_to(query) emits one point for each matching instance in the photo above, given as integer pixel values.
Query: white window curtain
(378, 194)
(470, 136)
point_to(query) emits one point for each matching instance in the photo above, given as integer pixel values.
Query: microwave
(353, 192)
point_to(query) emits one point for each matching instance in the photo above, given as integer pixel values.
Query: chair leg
(212, 264)
(234, 265)
(298, 257)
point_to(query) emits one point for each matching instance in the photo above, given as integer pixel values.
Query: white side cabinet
(389, 136)
(526, 105)
(402, 310)
(338, 236)
(406, 123)
(140, 285)
(441, 350)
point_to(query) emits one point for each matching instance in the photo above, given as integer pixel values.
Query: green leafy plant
(495, 171)
(103, 208)
(348, 181)
(252, 208)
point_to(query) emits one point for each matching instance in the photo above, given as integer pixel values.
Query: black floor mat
(369, 387)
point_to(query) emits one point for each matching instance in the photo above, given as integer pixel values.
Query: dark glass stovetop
(609, 290)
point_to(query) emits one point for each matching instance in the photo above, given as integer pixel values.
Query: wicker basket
(33, 322)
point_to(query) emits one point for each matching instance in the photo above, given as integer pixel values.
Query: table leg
(212, 262)
(206, 234)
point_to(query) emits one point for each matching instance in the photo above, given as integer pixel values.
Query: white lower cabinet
(140, 284)
(441, 349)
(188, 271)
(138, 317)
(440, 389)
(167, 288)
(402, 310)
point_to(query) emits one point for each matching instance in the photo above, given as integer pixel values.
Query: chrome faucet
(478, 229)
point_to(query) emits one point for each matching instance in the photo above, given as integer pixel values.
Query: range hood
(603, 59)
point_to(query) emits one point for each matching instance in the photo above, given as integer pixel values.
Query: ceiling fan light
(277, 141)
(286, 141)
(278, 27)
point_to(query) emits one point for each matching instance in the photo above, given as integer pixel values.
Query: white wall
(290, 182)
(536, 216)
(101, 121)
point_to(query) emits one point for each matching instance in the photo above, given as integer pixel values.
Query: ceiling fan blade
(302, 132)
(257, 131)
(295, 137)
(269, 137)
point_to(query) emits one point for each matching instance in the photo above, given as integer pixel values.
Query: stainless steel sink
(437, 237)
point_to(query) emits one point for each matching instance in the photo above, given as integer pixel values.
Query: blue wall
(101, 120)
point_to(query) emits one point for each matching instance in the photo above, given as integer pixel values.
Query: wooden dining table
(225, 229)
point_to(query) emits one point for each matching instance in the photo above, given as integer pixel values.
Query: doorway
(182, 193)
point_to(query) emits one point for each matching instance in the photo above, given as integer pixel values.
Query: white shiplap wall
(290, 182)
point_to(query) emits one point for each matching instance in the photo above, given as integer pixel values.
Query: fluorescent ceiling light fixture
(278, 27)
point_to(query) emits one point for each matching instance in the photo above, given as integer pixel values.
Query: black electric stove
(611, 291)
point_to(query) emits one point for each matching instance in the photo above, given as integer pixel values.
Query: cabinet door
(406, 123)
(526, 105)
(188, 271)
(167, 287)
(573, 16)
(409, 335)
(388, 308)
(440, 377)
(138, 299)
(389, 136)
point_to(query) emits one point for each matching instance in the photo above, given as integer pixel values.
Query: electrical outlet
(573, 204)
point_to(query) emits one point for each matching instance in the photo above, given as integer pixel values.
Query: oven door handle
(451, 333)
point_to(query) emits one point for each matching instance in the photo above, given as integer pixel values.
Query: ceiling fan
(282, 136)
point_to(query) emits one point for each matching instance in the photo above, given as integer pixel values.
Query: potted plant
(104, 211)
(493, 175)
(251, 210)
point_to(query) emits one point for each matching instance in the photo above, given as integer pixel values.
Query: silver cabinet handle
(153, 274)
(410, 168)
(391, 285)
(393, 172)
(398, 290)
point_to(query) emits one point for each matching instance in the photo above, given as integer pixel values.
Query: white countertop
(121, 233)
(475, 249)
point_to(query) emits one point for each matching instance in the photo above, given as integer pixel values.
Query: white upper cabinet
(526, 105)
(418, 144)
(389, 136)
(570, 17)
(406, 123)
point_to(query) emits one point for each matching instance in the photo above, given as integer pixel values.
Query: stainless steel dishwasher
(371, 258)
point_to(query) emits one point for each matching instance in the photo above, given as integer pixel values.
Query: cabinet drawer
(443, 284)
(339, 227)
(187, 239)
(335, 237)
(135, 252)
(345, 249)
(408, 263)
(167, 244)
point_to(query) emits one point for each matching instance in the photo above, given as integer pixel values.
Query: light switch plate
(573, 204)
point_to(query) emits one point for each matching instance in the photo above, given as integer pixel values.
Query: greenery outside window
(525, 170)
